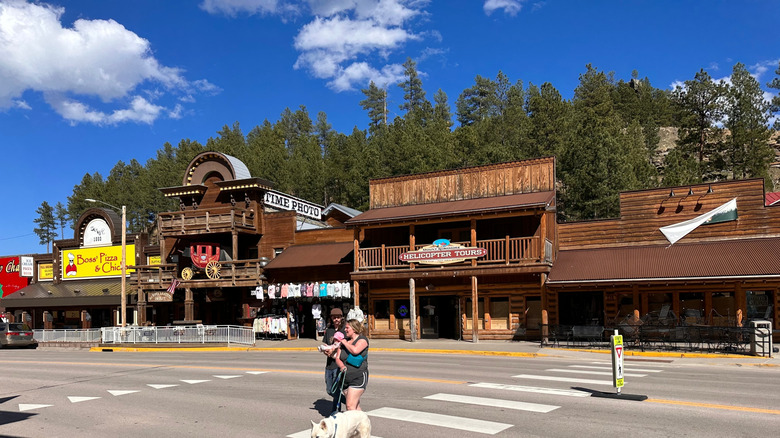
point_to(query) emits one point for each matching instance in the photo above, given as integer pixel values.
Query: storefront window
(692, 307)
(480, 314)
(402, 315)
(382, 314)
(533, 313)
(723, 309)
(499, 313)
(759, 305)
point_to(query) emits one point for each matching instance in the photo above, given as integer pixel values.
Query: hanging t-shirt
(323, 289)
(316, 311)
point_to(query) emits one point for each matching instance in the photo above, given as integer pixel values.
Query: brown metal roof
(48, 294)
(306, 256)
(704, 260)
(453, 208)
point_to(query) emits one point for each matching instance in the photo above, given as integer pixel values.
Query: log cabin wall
(643, 212)
(325, 235)
(528, 176)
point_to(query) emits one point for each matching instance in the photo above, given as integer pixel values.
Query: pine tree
(748, 153)
(46, 225)
(376, 105)
(61, 218)
(775, 108)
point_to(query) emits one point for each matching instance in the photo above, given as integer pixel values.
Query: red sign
(438, 255)
(10, 280)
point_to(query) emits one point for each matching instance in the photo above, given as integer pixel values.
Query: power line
(17, 237)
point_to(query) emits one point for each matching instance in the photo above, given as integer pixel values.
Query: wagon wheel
(186, 273)
(212, 270)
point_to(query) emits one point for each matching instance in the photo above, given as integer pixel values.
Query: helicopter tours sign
(442, 252)
(95, 262)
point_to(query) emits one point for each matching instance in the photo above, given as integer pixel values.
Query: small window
(499, 313)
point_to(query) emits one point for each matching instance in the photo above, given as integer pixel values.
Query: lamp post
(124, 258)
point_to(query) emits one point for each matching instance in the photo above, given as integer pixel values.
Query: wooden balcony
(506, 251)
(231, 273)
(194, 222)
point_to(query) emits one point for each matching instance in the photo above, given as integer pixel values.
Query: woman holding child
(352, 358)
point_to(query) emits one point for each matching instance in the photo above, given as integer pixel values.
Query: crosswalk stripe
(81, 399)
(120, 392)
(256, 372)
(643, 370)
(160, 386)
(449, 421)
(632, 364)
(226, 377)
(493, 402)
(26, 407)
(596, 373)
(536, 390)
(192, 382)
(563, 379)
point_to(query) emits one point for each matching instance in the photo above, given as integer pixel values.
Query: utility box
(761, 338)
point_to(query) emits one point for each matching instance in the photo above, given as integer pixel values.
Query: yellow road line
(205, 367)
(715, 406)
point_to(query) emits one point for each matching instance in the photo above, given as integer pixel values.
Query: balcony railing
(209, 221)
(509, 250)
(230, 274)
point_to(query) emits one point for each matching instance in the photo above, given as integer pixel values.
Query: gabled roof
(772, 198)
(717, 260)
(495, 204)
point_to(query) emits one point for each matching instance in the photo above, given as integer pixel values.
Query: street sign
(617, 361)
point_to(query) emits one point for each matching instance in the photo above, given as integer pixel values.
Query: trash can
(761, 338)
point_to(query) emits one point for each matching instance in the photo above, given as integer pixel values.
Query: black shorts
(356, 379)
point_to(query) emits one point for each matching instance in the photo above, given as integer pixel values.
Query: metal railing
(705, 339)
(67, 335)
(190, 334)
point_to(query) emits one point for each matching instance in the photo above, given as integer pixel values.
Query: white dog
(350, 424)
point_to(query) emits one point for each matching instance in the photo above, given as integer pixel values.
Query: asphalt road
(68, 393)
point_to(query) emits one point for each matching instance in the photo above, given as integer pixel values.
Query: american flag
(174, 284)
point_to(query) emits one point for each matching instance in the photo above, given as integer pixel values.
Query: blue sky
(87, 83)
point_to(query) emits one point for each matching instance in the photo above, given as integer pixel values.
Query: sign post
(616, 341)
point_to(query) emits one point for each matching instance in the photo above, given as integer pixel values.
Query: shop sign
(154, 260)
(10, 280)
(287, 202)
(95, 262)
(97, 233)
(442, 252)
(45, 271)
(27, 266)
(159, 297)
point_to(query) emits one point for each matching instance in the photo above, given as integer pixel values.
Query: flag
(724, 213)
(174, 284)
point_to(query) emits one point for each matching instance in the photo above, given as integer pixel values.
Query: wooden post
(474, 310)
(412, 312)
(189, 305)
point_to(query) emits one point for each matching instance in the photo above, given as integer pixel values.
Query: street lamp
(124, 258)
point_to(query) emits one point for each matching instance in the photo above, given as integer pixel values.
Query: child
(329, 348)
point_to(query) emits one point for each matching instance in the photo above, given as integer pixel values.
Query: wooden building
(723, 273)
(434, 243)
(214, 259)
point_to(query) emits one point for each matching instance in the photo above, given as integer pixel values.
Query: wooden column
(356, 293)
(740, 298)
(473, 239)
(412, 312)
(542, 236)
(474, 310)
(235, 247)
(412, 243)
(141, 306)
(189, 305)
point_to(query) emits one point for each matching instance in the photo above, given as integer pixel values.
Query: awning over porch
(309, 256)
(721, 260)
(66, 294)
(495, 204)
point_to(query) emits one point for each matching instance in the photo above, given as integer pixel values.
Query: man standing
(331, 369)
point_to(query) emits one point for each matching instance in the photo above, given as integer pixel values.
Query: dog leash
(340, 379)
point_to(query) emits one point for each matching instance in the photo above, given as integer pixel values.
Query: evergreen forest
(605, 139)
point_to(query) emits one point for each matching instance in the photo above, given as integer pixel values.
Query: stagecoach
(205, 257)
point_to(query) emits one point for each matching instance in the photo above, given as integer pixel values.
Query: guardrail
(67, 335)
(190, 334)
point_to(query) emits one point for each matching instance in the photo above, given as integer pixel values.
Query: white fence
(67, 335)
(191, 334)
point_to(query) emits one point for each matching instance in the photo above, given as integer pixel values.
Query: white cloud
(343, 36)
(234, 7)
(93, 58)
(510, 7)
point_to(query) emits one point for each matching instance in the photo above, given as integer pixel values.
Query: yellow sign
(105, 261)
(617, 361)
(154, 260)
(45, 271)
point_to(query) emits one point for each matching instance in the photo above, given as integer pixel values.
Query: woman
(352, 358)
